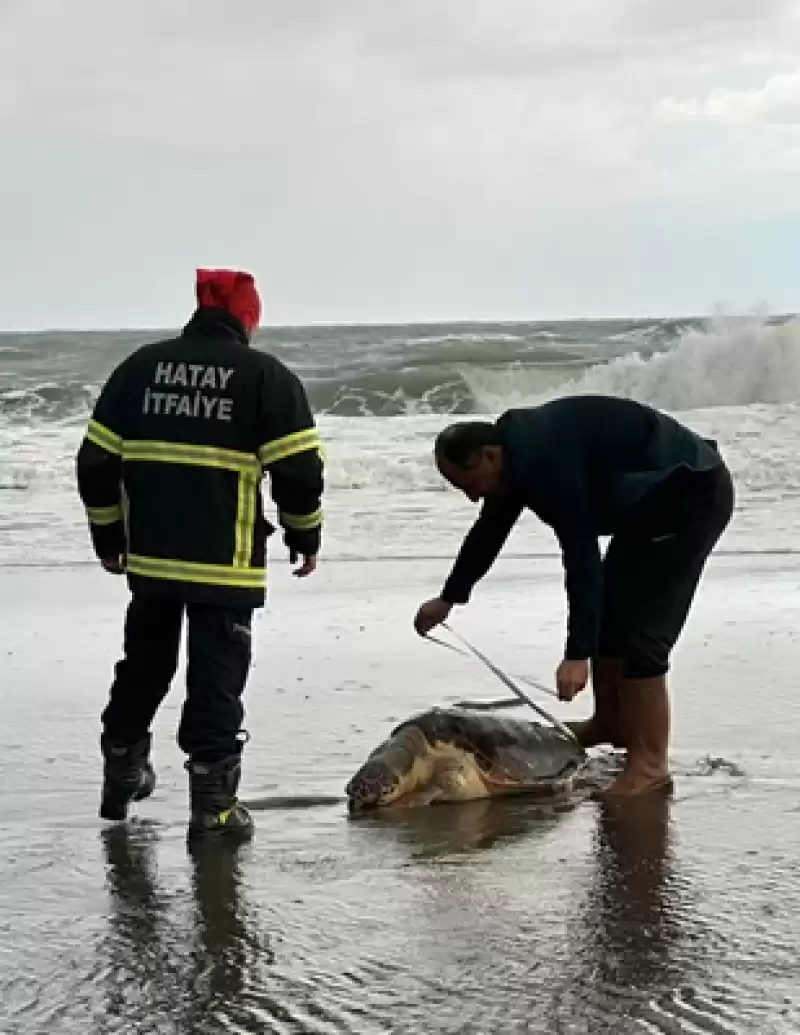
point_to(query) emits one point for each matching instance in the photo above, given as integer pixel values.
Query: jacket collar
(213, 322)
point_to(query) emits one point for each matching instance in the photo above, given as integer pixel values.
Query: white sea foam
(731, 362)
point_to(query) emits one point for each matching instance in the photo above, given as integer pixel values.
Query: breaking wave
(730, 362)
(47, 401)
(725, 362)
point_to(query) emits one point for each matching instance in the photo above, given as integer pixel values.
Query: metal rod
(534, 684)
(498, 672)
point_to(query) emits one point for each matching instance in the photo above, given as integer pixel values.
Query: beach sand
(494, 917)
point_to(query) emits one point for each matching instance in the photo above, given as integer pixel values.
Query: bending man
(592, 466)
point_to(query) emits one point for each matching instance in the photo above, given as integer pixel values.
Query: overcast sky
(398, 159)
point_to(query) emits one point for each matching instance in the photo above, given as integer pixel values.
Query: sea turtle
(452, 754)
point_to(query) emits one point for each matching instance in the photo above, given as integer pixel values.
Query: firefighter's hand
(308, 566)
(114, 565)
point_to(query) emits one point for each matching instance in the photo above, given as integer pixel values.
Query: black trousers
(652, 569)
(219, 653)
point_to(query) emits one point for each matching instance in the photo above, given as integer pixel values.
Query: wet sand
(663, 916)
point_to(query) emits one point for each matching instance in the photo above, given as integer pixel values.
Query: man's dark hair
(459, 443)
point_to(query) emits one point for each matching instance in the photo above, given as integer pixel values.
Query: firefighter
(592, 466)
(170, 473)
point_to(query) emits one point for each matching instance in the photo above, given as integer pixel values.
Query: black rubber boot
(127, 776)
(215, 811)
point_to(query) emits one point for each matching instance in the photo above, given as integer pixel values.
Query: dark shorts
(652, 569)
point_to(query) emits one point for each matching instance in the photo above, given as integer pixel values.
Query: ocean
(382, 393)
(669, 916)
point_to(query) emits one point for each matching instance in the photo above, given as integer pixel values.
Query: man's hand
(571, 678)
(431, 614)
(115, 565)
(308, 566)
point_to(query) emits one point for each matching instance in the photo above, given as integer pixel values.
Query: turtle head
(373, 786)
(393, 770)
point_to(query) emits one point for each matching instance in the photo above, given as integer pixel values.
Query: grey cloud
(372, 158)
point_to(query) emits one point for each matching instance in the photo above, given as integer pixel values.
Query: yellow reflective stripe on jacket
(302, 522)
(245, 464)
(183, 453)
(248, 468)
(289, 445)
(192, 571)
(245, 519)
(104, 437)
(104, 515)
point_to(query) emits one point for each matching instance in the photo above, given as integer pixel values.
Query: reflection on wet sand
(632, 934)
(493, 917)
(167, 960)
(140, 954)
(626, 937)
(444, 829)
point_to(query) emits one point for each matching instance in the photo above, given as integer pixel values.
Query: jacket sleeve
(569, 509)
(583, 576)
(481, 546)
(99, 470)
(290, 452)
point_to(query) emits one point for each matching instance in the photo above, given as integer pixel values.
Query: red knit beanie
(233, 290)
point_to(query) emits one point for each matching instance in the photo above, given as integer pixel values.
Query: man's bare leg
(644, 722)
(604, 726)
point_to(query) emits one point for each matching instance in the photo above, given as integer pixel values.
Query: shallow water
(666, 916)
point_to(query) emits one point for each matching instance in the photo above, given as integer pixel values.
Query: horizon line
(438, 322)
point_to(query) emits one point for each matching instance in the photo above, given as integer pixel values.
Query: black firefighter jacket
(171, 465)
